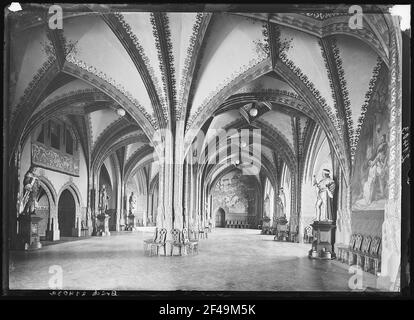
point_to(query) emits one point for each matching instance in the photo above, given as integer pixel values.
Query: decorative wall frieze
(81, 64)
(55, 160)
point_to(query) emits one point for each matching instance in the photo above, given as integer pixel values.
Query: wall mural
(370, 176)
(46, 157)
(236, 194)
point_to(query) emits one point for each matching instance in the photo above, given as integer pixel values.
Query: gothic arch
(73, 189)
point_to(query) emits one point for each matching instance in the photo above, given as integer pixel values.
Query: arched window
(57, 135)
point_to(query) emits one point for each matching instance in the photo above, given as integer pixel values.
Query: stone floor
(230, 259)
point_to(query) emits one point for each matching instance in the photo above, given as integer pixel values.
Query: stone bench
(364, 251)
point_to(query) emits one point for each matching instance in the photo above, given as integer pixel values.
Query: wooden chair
(160, 242)
(308, 234)
(176, 241)
(356, 249)
(193, 234)
(344, 251)
(148, 242)
(192, 245)
(366, 243)
(373, 258)
(201, 233)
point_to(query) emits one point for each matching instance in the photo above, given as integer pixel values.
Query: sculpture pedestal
(131, 223)
(322, 247)
(29, 232)
(103, 225)
(281, 233)
(281, 229)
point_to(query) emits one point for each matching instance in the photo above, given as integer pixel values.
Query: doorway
(220, 218)
(66, 213)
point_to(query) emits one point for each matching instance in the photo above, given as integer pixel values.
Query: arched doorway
(66, 213)
(220, 218)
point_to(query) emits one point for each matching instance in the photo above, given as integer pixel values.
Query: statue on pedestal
(28, 201)
(102, 222)
(28, 221)
(280, 209)
(132, 203)
(131, 216)
(326, 189)
(103, 200)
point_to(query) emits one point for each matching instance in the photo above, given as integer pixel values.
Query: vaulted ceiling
(199, 68)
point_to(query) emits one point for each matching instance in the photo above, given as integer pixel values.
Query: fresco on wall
(370, 175)
(236, 193)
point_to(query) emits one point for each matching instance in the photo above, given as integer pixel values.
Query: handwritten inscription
(77, 293)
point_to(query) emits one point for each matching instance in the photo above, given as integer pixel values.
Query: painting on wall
(370, 176)
(235, 193)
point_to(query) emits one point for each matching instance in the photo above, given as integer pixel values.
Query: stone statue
(132, 203)
(30, 186)
(103, 200)
(326, 189)
(280, 209)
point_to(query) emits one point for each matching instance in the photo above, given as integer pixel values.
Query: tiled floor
(230, 259)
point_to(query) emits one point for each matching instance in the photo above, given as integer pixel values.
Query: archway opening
(220, 218)
(66, 213)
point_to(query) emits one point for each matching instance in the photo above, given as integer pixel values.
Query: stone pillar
(76, 231)
(118, 203)
(13, 196)
(391, 229)
(53, 232)
(94, 193)
(122, 220)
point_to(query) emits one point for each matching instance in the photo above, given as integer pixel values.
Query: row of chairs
(200, 233)
(365, 251)
(241, 224)
(180, 240)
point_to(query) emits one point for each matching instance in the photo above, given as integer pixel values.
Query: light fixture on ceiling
(120, 112)
(237, 162)
(253, 112)
(243, 144)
